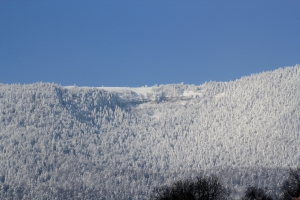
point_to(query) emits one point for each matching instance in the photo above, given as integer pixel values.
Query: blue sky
(137, 43)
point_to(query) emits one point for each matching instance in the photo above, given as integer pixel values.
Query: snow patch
(191, 94)
(220, 95)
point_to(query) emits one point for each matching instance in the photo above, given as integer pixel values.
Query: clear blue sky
(143, 42)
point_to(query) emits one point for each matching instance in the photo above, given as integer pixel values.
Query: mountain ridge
(111, 139)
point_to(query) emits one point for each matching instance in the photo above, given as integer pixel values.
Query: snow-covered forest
(119, 143)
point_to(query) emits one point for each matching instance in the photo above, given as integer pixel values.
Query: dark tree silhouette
(210, 188)
(291, 187)
(204, 188)
(255, 193)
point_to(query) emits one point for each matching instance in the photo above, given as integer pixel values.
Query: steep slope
(119, 143)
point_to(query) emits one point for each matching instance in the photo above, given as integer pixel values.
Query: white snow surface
(139, 90)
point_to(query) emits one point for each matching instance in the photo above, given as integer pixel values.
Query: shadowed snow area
(122, 142)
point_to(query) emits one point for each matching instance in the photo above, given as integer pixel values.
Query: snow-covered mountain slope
(122, 142)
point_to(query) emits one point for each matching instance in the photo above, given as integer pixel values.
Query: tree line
(211, 188)
(200, 188)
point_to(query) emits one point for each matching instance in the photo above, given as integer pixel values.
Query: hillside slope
(119, 143)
